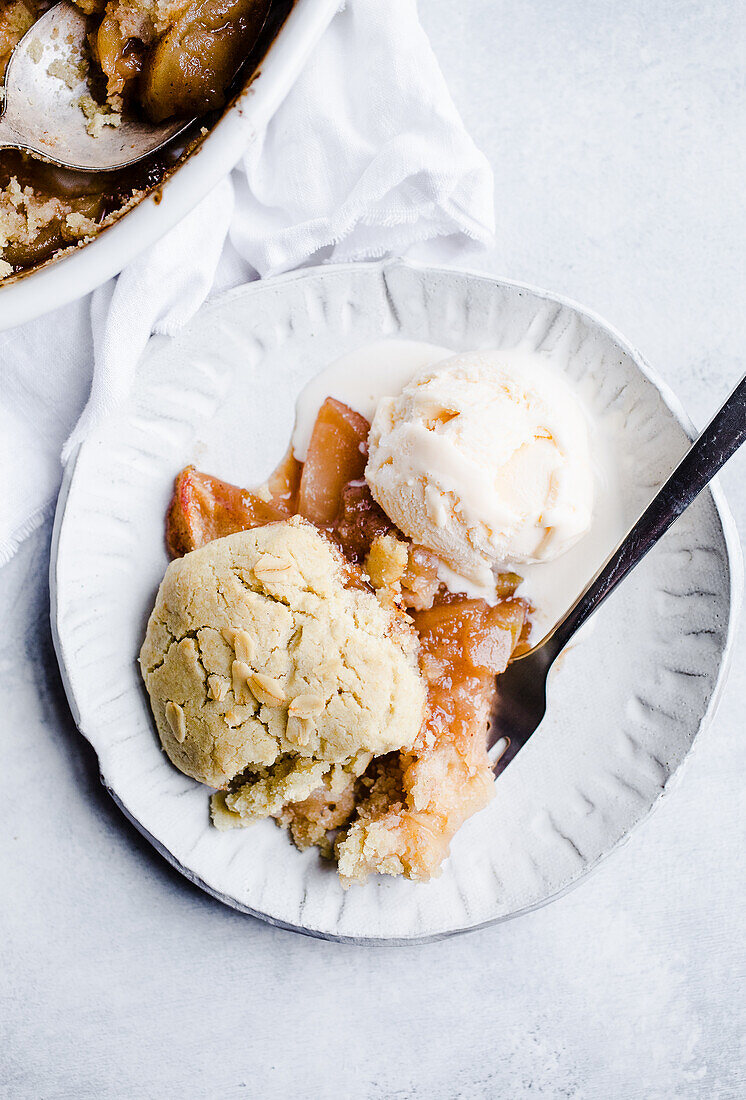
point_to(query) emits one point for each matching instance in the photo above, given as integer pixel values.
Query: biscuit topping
(274, 657)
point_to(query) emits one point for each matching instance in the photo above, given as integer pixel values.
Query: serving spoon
(45, 82)
(521, 698)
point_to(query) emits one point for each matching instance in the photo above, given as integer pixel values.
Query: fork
(521, 698)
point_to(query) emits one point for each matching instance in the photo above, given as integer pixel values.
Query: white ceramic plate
(624, 711)
(82, 269)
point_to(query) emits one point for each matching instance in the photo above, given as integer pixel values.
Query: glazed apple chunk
(337, 453)
(177, 57)
(204, 508)
(400, 816)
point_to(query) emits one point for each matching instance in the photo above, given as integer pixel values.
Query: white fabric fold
(157, 293)
(366, 157)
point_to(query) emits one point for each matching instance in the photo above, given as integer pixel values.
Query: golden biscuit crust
(260, 656)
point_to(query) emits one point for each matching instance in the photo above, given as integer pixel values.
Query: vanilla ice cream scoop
(484, 459)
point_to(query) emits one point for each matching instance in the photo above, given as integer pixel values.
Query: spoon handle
(720, 439)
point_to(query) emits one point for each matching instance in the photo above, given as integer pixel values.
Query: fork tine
(519, 706)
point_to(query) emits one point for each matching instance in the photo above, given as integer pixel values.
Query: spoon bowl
(50, 111)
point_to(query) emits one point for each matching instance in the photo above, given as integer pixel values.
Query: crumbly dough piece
(260, 655)
(309, 798)
(414, 806)
(143, 19)
(24, 213)
(100, 115)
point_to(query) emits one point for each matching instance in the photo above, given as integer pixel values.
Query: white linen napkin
(367, 156)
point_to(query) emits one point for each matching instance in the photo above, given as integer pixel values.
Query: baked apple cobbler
(318, 663)
(160, 58)
(399, 812)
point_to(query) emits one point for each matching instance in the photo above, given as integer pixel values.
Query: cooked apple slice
(336, 456)
(284, 483)
(119, 56)
(471, 637)
(464, 645)
(189, 70)
(204, 508)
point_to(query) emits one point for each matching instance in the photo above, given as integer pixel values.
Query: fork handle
(720, 439)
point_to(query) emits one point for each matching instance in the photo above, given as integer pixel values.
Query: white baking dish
(81, 270)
